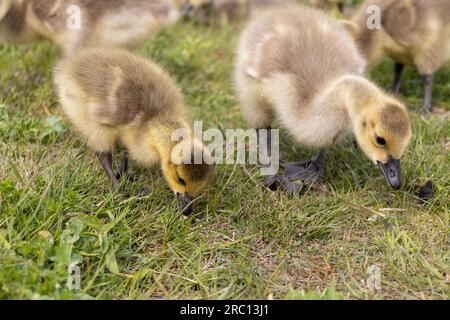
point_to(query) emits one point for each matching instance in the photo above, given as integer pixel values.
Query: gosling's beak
(391, 171)
(186, 203)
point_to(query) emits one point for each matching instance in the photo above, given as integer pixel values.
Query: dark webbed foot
(298, 174)
(281, 182)
(308, 171)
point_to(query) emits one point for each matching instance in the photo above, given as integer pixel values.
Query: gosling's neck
(163, 135)
(353, 95)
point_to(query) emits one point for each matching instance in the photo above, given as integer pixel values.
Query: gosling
(227, 11)
(114, 97)
(300, 68)
(411, 32)
(222, 12)
(339, 4)
(256, 6)
(75, 24)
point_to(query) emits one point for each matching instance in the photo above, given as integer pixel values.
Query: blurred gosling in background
(412, 32)
(224, 12)
(73, 24)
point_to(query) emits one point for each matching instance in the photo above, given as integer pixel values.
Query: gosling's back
(113, 95)
(121, 87)
(302, 42)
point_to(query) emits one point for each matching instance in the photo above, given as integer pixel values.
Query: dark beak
(391, 171)
(186, 203)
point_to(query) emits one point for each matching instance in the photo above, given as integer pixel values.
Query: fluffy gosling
(112, 97)
(412, 32)
(339, 4)
(73, 24)
(300, 68)
(221, 12)
(227, 11)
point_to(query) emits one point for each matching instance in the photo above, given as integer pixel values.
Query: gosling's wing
(263, 46)
(402, 22)
(127, 88)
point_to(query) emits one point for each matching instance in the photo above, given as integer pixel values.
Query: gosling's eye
(381, 141)
(181, 181)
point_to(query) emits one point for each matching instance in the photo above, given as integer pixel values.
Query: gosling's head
(5, 5)
(383, 132)
(188, 171)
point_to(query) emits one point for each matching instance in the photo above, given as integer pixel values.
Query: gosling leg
(106, 161)
(123, 167)
(428, 81)
(398, 72)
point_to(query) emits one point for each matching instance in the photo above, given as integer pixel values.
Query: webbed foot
(298, 174)
(281, 182)
(307, 171)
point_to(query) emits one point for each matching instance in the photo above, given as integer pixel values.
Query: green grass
(57, 207)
